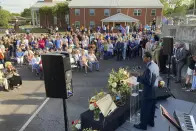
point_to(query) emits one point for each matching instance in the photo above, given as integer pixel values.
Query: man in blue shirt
(132, 48)
(58, 43)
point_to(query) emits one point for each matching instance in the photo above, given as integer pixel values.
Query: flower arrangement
(117, 84)
(76, 125)
(88, 129)
(117, 81)
(161, 84)
(93, 106)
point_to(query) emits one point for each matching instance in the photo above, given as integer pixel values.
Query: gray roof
(40, 4)
(120, 18)
(115, 4)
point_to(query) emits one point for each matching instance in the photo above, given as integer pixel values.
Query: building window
(153, 12)
(92, 24)
(118, 10)
(77, 24)
(106, 12)
(137, 12)
(77, 12)
(92, 12)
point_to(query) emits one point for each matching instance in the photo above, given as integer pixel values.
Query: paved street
(18, 105)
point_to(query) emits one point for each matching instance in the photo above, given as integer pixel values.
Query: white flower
(91, 107)
(78, 126)
(114, 90)
(114, 85)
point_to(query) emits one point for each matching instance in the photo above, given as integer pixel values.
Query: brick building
(39, 20)
(91, 12)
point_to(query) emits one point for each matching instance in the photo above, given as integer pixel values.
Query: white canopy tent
(120, 17)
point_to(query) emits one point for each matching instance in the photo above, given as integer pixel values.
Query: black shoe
(139, 126)
(185, 86)
(151, 124)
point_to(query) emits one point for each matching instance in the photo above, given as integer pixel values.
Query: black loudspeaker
(168, 45)
(57, 75)
(162, 93)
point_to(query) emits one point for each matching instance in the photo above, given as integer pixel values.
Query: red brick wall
(99, 15)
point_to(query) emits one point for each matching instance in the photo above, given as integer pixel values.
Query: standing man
(181, 55)
(154, 24)
(173, 59)
(150, 80)
(127, 29)
(119, 48)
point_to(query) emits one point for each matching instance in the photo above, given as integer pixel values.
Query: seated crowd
(86, 48)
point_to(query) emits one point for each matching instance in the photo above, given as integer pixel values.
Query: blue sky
(16, 6)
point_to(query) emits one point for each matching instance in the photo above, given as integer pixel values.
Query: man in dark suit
(119, 48)
(173, 59)
(150, 80)
(181, 55)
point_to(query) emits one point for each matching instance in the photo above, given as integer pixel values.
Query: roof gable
(120, 17)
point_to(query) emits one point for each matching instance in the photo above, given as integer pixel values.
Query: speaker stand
(65, 115)
(168, 73)
(168, 78)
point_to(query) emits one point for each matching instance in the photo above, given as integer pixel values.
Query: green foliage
(15, 14)
(88, 129)
(117, 83)
(5, 16)
(178, 7)
(191, 6)
(166, 9)
(60, 8)
(26, 13)
(45, 10)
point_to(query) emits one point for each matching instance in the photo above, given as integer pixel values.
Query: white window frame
(92, 25)
(92, 14)
(108, 11)
(118, 11)
(77, 12)
(137, 12)
(153, 13)
(76, 24)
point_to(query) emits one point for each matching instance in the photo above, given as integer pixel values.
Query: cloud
(16, 6)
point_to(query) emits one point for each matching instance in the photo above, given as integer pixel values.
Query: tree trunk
(45, 20)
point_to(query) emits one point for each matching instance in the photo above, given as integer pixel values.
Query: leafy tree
(46, 12)
(5, 16)
(15, 14)
(178, 7)
(60, 10)
(167, 10)
(26, 13)
(191, 6)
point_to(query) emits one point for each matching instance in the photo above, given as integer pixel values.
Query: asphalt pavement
(17, 106)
